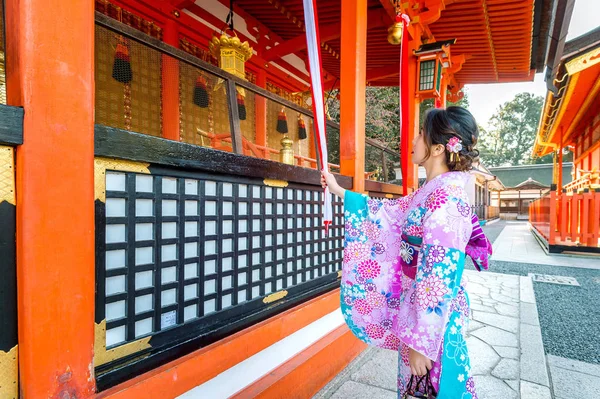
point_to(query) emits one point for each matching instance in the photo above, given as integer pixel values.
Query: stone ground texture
(505, 343)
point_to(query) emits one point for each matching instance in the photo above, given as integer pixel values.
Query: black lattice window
(179, 249)
(427, 75)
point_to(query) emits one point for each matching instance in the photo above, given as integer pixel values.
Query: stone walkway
(516, 243)
(505, 345)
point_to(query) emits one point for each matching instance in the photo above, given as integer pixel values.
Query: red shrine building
(160, 204)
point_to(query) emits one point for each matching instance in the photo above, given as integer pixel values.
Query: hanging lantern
(301, 128)
(200, 93)
(241, 107)
(282, 126)
(231, 53)
(122, 64)
(433, 57)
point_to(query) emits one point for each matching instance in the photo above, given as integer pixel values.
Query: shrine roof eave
(579, 85)
(501, 42)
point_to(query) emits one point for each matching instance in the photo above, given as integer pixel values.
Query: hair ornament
(454, 146)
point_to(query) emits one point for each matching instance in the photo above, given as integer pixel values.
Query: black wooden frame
(11, 125)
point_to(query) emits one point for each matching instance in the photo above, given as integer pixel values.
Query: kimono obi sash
(409, 254)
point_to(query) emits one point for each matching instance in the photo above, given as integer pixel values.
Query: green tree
(382, 115)
(511, 132)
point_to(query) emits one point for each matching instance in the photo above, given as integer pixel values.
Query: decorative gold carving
(102, 355)
(275, 296)
(275, 183)
(584, 61)
(339, 274)
(389, 196)
(9, 370)
(101, 165)
(7, 175)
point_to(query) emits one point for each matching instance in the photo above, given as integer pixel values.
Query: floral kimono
(401, 284)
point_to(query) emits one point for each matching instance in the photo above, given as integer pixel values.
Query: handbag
(422, 390)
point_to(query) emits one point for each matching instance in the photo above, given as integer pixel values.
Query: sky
(485, 99)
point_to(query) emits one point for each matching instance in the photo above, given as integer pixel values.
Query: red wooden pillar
(352, 91)
(410, 178)
(260, 108)
(553, 218)
(52, 65)
(170, 84)
(560, 163)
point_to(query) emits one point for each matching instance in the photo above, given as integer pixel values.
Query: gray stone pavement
(504, 341)
(516, 243)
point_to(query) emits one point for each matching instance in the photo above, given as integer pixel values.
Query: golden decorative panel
(248, 126)
(199, 125)
(7, 175)
(103, 355)
(300, 147)
(584, 61)
(143, 93)
(275, 296)
(9, 374)
(103, 164)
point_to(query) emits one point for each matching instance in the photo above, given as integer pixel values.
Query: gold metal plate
(9, 370)
(103, 164)
(7, 175)
(275, 297)
(275, 183)
(102, 355)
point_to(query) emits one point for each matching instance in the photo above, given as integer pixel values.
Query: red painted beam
(181, 4)
(375, 19)
(383, 72)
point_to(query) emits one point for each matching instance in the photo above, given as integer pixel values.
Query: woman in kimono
(404, 258)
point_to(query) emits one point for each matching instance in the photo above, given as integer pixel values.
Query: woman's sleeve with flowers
(446, 231)
(389, 210)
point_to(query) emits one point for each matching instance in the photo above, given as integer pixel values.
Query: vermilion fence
(568, 219)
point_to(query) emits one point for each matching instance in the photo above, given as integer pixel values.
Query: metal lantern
(430, 74)
(231, 53)
(433, 58)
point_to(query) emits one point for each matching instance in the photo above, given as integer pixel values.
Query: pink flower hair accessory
(454, 146)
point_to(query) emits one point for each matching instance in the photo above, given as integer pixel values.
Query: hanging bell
(395, 33)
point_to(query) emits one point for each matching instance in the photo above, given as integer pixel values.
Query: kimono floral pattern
(401, 281)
